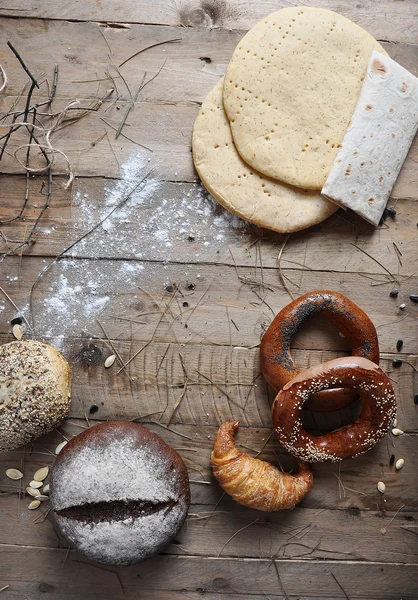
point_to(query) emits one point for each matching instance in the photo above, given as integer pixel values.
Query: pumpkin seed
(32, 492)
(45, 489)
(60, 447)
(399, 464)
(35, 484)
(34, 504)
(41, 474)
(397, 431)
(14, 474)
(381, 487)
(17, 331)
(109, 361)
(42, 498)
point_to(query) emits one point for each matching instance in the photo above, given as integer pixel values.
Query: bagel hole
(320, 423)
(319, 333)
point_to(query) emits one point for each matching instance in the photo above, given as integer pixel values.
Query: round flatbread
(238, 187)
(290, 90)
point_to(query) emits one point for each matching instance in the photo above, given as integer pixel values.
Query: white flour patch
(78, 293)
(159, 221)
(156, 218)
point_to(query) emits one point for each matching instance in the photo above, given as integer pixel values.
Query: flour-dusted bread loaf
(377, 140)
(119, 493)
(35, 391)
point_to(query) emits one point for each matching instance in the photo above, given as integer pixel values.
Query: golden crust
(253, 482)
(35, 391)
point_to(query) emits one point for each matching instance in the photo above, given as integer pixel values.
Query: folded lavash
(377, 140)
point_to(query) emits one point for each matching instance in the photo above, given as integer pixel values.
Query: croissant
(253, 482)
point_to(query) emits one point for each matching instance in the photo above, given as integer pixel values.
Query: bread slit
(114, 510)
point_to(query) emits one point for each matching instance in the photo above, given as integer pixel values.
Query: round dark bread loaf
(119, 493)
(35, 391)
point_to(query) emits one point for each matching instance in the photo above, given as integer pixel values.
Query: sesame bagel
(377, 415)
(35, 391)
(277, 363)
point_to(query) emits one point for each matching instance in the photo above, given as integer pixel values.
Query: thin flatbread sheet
(377, 140)
(238, 187)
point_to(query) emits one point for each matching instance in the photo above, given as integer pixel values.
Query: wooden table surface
(184, 290)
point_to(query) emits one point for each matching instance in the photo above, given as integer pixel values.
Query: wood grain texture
(320, 534)
(197, 229)
(386, 20)
(184, 575)
(167, 106)
(206, 314)
(173, 267)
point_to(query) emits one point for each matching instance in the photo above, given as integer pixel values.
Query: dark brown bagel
(277, 363)
(377, 415)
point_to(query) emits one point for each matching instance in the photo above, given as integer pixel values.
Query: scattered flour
(154, 220)
(160, 221)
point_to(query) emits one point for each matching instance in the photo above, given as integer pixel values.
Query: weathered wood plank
(195, 443)
(184, 77)
(163, 127)
(387, 20)
(73, 293)
(183, 574)
(311, 534)
(157, 381)
(181, 223)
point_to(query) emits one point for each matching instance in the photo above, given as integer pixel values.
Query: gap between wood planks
(247, 559)
(208, 264)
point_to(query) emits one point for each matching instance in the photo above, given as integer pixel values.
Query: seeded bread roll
(35, 392)
(119, 493)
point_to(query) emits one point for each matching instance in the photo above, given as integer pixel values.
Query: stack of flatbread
(268, 133)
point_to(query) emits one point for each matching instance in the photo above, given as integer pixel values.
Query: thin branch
(16, 308)
(183, 435)
(235, 534)
(115, 350)
(147, 48)
(340, 586)
(4, 79)
(279, 257)
(20, 59)
(376, 261)
(129, 107)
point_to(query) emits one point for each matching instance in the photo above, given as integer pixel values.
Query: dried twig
(279, 578)
(177, 404)
(340, 586)
(115, 350)
(148, 47)
(15, 307)
(172, 430)
(377, 262)
(125, 136)
(4, 79)
(129, 107)
(279, 257)
(220, 389)
(235, 534)
(20, 59)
